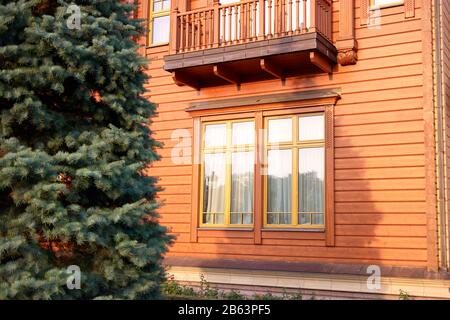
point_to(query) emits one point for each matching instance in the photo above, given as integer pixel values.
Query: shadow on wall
(379, 194)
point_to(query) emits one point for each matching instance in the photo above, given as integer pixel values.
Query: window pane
(385, 2)
(279, 186)
(311, 168)
(214, 188)
(311, 128)
(242, 187)
(280, 130)
(166, 4)
(160, 29)
(215, 135)
(243, 133)
(157, 5)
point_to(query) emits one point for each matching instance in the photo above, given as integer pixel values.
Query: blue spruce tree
(74, 142)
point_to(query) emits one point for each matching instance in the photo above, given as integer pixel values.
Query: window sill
(295, 229)
(224, 229)
(156, 45)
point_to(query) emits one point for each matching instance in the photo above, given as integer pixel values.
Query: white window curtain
(214, 188)
(311, 185)
(242, 167)
(279, 187)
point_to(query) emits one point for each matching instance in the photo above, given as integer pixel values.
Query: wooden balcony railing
(247, 21)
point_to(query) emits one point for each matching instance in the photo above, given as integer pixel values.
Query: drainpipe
(441, 141)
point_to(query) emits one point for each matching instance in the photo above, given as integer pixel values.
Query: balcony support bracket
(319, 61)
(272, 69)
(182, 79)
(226, 75)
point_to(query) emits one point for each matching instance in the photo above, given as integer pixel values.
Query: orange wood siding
(380, 209)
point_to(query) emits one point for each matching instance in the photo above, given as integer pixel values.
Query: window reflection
(280, 130)
(378, 3)
(161, 5)
(311, 128)
(215, 135)
(243, 133)
(160, 29)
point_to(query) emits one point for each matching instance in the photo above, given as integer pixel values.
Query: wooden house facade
(305, 143)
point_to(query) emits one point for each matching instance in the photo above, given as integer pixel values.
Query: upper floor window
(385, 3)
(159, 21)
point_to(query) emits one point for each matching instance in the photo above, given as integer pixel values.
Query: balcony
(250, 40)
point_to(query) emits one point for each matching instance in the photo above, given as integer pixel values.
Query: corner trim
(429, 143)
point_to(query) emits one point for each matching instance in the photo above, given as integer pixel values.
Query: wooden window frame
(228, 150)
(318, 102)
(295, 145)
(151, 16)
(393, 3)
(367, 6)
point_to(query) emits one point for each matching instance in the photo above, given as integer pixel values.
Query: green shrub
(266, 296)
(206, 290)
(233, 295)
(173, 288)
(292, 296)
